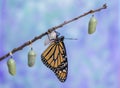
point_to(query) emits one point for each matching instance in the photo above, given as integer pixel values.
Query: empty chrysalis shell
(11, 66)
(31, 58)
(47, 41)
(51, 36)
(92, 25)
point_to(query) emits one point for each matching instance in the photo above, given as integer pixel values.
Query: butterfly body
(54, 57)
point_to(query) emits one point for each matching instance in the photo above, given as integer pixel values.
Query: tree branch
(50, 30)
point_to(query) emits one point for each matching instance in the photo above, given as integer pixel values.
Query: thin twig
(50, 30)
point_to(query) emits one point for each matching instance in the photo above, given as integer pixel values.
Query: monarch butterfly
(54, 57)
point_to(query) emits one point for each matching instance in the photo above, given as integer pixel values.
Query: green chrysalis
(92, 25)
(11, 66)
(31, 58)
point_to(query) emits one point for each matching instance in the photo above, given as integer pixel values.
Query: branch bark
(50, 30)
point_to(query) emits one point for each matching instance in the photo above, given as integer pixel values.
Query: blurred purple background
(93, 59)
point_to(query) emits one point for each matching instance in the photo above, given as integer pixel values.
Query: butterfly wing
(54, 57)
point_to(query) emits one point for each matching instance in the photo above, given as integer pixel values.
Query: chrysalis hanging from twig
(31, 57)
(51, 36)
(11, 66)
(92, 25)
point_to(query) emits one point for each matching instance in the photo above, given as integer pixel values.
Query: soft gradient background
(94, 60)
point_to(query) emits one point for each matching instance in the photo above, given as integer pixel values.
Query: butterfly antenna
(71, 38)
